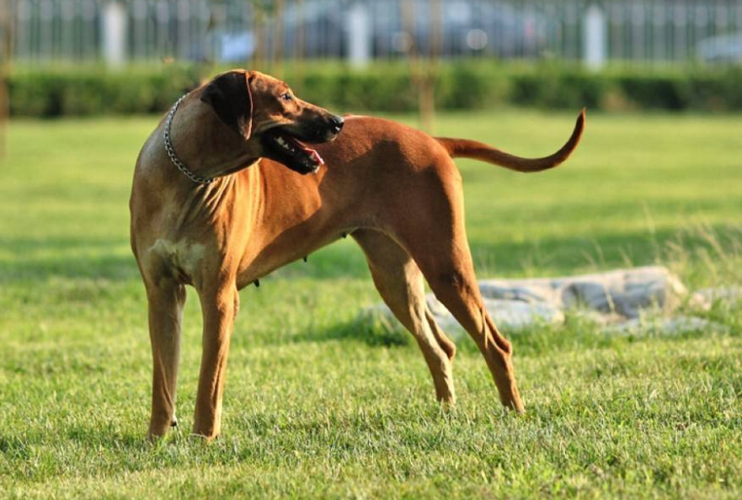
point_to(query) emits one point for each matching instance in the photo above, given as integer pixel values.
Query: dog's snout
(326, 127)
(337, 123)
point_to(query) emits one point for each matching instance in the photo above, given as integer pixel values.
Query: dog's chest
(183, 256)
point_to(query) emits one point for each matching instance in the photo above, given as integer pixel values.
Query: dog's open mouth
(286, 148)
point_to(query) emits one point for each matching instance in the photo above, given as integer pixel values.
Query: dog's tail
(464, 148)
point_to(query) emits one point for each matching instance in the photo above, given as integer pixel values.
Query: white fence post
(595, 39)
(358, 33)
(114, 34)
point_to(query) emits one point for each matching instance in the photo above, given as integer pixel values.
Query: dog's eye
(286, 97)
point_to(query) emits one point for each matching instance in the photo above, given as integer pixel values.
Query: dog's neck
(210, 149)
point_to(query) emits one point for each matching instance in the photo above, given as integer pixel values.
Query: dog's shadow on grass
(372, 331)
(67, 257)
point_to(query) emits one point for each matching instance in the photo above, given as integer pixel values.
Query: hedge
(386, 87)
(93, 91)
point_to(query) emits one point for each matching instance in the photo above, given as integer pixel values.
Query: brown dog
(232, 212)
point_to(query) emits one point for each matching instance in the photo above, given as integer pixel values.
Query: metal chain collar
(171, 151)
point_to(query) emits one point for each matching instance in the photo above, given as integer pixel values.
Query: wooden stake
(6, 54)
(298, 78)
(424, 71)
(258, 22)
(277, 55)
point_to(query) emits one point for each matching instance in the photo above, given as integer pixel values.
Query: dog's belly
(284, 250)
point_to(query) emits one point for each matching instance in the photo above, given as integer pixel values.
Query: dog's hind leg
(400, 283)
(166, 300)
(451, 276)
(436, 240)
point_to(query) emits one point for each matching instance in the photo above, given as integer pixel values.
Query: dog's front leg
(220, 304)
(166, 300)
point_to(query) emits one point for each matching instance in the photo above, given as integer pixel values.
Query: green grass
(320, 405)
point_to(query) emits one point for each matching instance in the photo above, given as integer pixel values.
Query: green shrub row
(386, 87)
(93, 91)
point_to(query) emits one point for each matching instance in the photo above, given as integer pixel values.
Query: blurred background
(359, 31)
(660, 79)
(454, 54)
(117, 31)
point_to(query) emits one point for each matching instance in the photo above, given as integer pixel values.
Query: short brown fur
(394, 189)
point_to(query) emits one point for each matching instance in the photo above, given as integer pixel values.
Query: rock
(525, 290)
(625, 291)
(666, 326)
(726, 294)
(614, 300)
(379, 315)
(699, 303)
(508, 314)
(514, 314)
(594, 317)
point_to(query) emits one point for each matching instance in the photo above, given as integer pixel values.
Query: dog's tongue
(309, 151)
(315, 155)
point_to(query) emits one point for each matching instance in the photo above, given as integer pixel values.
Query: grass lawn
(320, 405)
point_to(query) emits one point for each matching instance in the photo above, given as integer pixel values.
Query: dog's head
(266, 113)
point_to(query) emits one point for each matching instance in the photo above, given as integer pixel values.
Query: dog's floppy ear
(229, 96)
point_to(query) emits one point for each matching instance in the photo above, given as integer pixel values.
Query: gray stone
(592, 316)
(625, 291)
(726, 294)
(619, 301)
(514, 314)
(666, 326)
(698, 303)
(508, 314)
(379, 313)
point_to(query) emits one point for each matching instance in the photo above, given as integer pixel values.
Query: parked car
(492, 28)
(725, 49)
(467, 27)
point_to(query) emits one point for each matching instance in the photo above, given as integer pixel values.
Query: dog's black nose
(337, 122)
